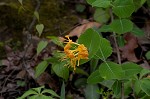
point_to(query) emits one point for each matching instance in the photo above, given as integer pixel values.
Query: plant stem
(117, 48)
(118, 54)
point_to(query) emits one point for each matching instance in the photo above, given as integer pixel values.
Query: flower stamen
(75, 54)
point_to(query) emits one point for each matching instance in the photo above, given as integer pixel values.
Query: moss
(55, 16)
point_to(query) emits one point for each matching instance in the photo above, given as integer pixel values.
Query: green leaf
(123, 8)
(40, 68)
(105, 49)
(36, 14)
(127, 88)
(61, 70)
(80, 8)
(101, 3)
(40, 97)
(93, 64)
(145, 97)
(136, 86)
(142, 2)
(39, 28)
(52, 60)
(138, 3)
(20, 1)
(131, 69)
(145, 86)
(56, 40)
(41, 46)
(90, 1)
(101, 16)
(62, 96)
(34, 97)
(116, 87)
(27, 93)
(57, 54)
(148, 3)
(144, 72)
(50, 92)
(80, 82)
(95, 78)
(105, 28)
(38, 89)
(91, 92)
(108, 83)
(110, 70)
(148, 55)
(80, 71)
(120, 41)
(21, 83)
(137, 31)
(45, 97)
(90, 38)
(121, 26)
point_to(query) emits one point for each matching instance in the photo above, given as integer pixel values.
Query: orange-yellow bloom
(76, 54)
(82, 53)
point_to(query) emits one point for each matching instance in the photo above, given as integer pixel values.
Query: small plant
(39, 93)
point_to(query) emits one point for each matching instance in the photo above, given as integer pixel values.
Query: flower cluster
(75, 54)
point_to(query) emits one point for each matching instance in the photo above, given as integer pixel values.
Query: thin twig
(114, 36)
(118, 54)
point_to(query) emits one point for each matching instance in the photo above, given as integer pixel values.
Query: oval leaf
(131, 69)
(107, 83)
(105, 49)
(41, 46)
(40, 68)
(101, 16)
(148, 55)
(121, 26)
(38, 89)
(137, 31)
(42, 97)
(39, 28)
(62, 96)
(121, 41)
(101, 3)
(81, 71)
(91, 92)
(61, 70)
(137, 88)
(105, 28)
(90, 1)
(110, 70)
(50, 92)
(93, 64)
(145, 86)
(123, 8)
(80, 82)
(27, 93)
(144, 72)
(90, 38)
(116, 87)
(95, 78)
(36, 14)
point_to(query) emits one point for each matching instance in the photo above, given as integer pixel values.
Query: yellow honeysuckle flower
(76, 54)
